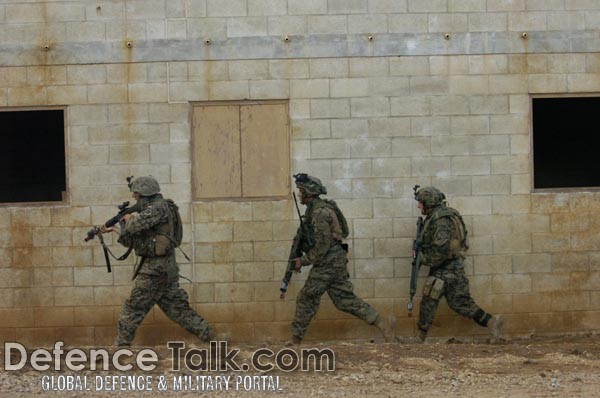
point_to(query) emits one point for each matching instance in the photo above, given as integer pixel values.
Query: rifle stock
(416, 264)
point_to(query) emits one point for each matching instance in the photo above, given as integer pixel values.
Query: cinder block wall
(370, 117)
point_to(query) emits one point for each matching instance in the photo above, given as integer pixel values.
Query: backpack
(169, 234)
(175, 224)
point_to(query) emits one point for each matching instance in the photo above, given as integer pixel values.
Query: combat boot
(495, 325)
(387, 327)
(421, 336)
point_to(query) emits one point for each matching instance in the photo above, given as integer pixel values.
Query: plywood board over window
(241, 150)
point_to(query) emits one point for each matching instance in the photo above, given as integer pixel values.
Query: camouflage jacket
(141, 229)
(441, 239)
(325, 229)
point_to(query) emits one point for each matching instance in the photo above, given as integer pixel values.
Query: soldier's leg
(175, 304)
(460, 300)
(342, 294)
(308, 300)
(142, 298)
(433, 291)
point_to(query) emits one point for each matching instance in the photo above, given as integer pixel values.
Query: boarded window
(241, 150)
(565, 142)
(32, 156)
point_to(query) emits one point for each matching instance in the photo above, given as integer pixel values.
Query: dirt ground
(566, 366)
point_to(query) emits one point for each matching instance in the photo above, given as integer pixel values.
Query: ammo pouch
(158, 245)
(162, 245)
(145, 247)
(434, 288)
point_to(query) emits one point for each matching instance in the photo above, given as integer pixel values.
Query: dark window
(566, 143)
(32, 156)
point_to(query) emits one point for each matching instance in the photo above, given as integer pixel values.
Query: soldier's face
(302, 196)
(421, 207)
(136, 196)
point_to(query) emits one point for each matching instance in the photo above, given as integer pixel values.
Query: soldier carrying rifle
(327, 227)
(440, 245)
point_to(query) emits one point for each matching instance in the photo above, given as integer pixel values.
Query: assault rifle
(95, 231)
(416, 261)
(302, 236)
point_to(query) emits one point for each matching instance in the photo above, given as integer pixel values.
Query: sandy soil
(535, 367)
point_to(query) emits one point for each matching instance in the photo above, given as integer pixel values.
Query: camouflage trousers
(169, 296)
(336, 282)
(456, 291)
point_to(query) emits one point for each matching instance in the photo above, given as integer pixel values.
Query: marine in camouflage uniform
(156, 277)
(443, 243)
(329, 260)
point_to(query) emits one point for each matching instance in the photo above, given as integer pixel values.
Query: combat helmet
(430, 196)
(309, 184)
(145, 186)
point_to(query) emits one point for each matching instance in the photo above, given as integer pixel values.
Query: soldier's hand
(104, 230)
(297, 264)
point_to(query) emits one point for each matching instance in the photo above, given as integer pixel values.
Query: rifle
(95, 231)
(416, 260)
(302, 235)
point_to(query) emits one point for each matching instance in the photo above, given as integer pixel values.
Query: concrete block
(369, 107)
(232, 90)
(410, 106)
(449, 65)
(468, 85)
(514, 243)
(234, 292)
(368, 67)
(356, 87)
(73, 296)
(486, 265)
(391, 167)
(374, 268)
(372, 228)
(252, 231)
(392, 247)
(247, 27)
(213, 232)
(329, 68)
(232, 252)
(148, 92)
(355, 168)
(418, 146)
(488, 105)
(521, 283)
(310, 88)
(429, 85)
(473, 205)
(367, 24)
(466, 5)
(347, 128)
(454, 22)
(409, 66)
(267, 7)
(249, 272)
(449, 146)
(510, 164)
(527, 21)
(430, 126)
(287, 25)
(329, 108)
(551, 242)
(471, 165)
(307, 7)
(450, 105)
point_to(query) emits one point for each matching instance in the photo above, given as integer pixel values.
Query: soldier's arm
(439, 250)
(321, 224)
(147, 218)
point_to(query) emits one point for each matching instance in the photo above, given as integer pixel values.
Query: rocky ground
(534, 367)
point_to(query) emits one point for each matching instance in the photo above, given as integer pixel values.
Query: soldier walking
(443, 244)
(156, 278)
(328, 256)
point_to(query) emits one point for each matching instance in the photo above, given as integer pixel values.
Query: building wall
(379, 100)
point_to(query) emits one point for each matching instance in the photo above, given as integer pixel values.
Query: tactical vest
(458, 241)
(162, 238)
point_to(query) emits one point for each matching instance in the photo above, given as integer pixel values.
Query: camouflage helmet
(430, 196)
(145, 186)
(309, 184)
